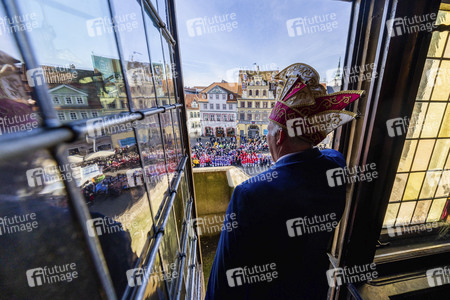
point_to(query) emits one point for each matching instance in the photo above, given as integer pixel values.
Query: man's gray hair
(275, 128)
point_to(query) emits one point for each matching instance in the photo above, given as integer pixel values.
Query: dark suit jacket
(263, 206)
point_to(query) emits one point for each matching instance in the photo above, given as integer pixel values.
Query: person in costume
(278, 250)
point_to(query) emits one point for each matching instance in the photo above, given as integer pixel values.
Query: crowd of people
(219, 152)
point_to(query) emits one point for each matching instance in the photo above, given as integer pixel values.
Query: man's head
(280, 143)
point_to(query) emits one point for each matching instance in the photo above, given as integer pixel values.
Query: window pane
(421, 211)
(437, 44)
(157, 59)
(407, 156)
(430, 184)
(433, 120)
(38, 232)
(391, 214)
(399, 187)
(440, 154)
(436, 210)
(83, 63)
(417, 120)
(149, 137)
(135, 52)
(169, 248)
(441, 89)
(422, 155)
(428, 77)
(169, 67)
(413, 186)
(445, 128)
(113, 187)
(169, 143)
(405, 213)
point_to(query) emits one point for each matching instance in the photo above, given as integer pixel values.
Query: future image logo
(35, 77)
(309, 25)
(207, 25)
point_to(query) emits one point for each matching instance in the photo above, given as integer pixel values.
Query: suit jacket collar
(298, 157)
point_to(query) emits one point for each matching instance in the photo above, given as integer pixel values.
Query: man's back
(285, 218)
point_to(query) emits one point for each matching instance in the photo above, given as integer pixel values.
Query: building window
(80, 100)
(232, 117)
(68, 100)
(217, 96)
(73, 116)
(230, 106)
(95, 114)
(224, 106)
(212, 117)
(242, 116)
(250, 93)
(211, 106)
(242, 104)
(205, 106)
(249, 117)
(205, 117)
(56, 100)
(249, 104)
(257, 104)
(84, 115)
(61, 116)
(257, 116)
(191, 114)
(264, 93)
(231, 96)
(272, 104)
(218, 117)
(225, 118)
(265, 116)
(264, 104)
(217, 106)
(257, 92)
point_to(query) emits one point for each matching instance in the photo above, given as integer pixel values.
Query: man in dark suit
(284, 218)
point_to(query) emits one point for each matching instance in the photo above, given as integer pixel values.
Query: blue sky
(261, 37)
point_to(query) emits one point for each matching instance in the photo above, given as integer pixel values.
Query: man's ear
(281, 137)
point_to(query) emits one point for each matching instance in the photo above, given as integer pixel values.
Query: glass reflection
(105, 166)
(37, 232)
(18, 110)
(155, 170)
(413, 186)
(169, 249)
(81, 69)
(157, 58)
(135, 52)
(169, 143)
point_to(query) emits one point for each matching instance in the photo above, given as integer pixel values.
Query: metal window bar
(161, 24)
(159, 232)
(182, 255)
(192, 268)
(19, 143)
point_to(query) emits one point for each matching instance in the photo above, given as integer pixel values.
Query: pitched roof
(189, 98)
(231, 87)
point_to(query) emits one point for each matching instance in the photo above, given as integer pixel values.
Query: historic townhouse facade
(256, 102)
(218, 109)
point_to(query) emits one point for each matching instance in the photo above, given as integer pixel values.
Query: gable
(217, 90)
(67, 90)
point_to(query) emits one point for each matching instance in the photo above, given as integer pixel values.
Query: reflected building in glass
(96, 197)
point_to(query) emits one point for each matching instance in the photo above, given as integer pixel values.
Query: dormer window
(231, 96)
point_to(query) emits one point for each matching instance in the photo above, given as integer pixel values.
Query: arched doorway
(231, 132)
(253, 131)
(220, 132)
(208, 131)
